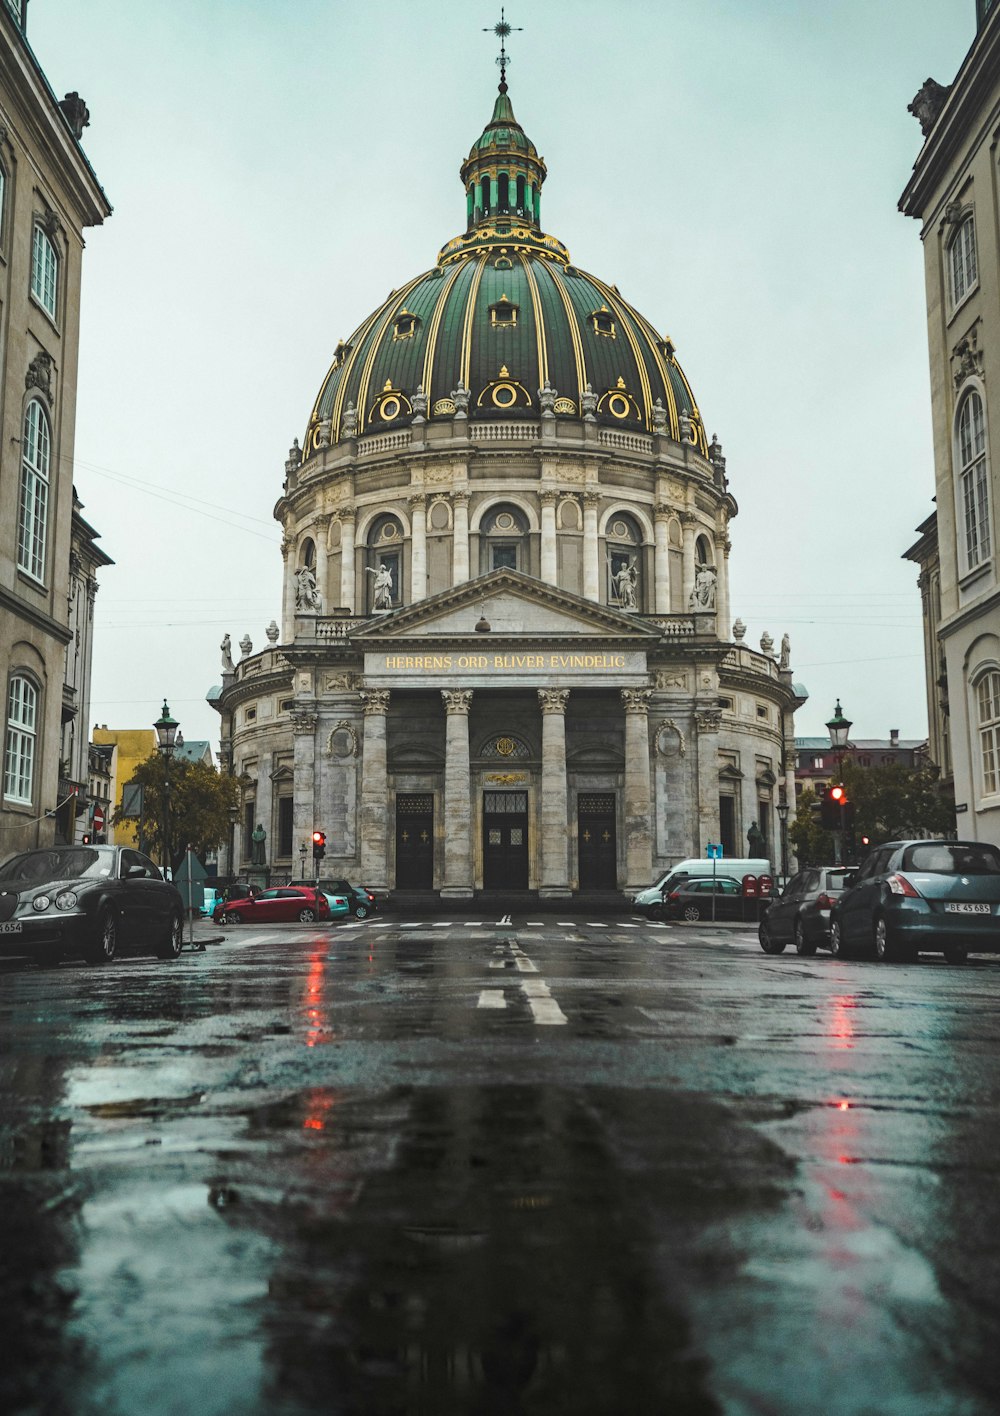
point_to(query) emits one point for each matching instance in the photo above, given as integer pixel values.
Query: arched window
(307, 553)
(520, 197)
(19, 751)
(384, 567)
(486, 196)
(33, 516)
(503, 540)
(503, 193)
(988, 704)
(703, 552)
(962, 261)
(44, 271)
(623, 538)
(973, 483)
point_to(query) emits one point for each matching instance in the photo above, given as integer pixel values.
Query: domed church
(504, 659)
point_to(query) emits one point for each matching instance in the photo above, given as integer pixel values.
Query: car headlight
(66, 900)
(41, 902)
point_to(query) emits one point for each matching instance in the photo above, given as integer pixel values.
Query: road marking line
(473, 923)
(498, 963)
(628, 926)
(544, 1008)
(409, 926)
(387, 925)
(536, 924)
(445, 925)
(491, 998)
(594, 924)
(566, 923)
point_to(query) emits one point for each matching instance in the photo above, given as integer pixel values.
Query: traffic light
(319, 845)
(87, 838)
(834, 809)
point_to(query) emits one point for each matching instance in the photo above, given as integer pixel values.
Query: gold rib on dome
(435, 325)
(358, 341)
(574, 328)
(536, 305)
(391, 307)
(616, 302)
(470, 310)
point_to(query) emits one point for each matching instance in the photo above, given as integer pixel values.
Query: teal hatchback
(910, 897)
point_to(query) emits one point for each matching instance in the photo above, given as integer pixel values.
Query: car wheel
(837, 946)
(104, 945)
(955, 953)
(173, 941)
(231, 917)
(803, 946)
(691, 913)
(886, 949)
(360, 911)
(307, 916)
(768, 943)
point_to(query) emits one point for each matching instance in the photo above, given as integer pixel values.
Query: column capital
(460, 498)
(591, 498)
(345, 513)
(688, 517)
(636, 700)
(303, 720)
(417, 500)
(323, 519)
(457, 700)
(287, 542)
(375, 701)
(708, 720)
(662, 511)
(553, 700)
(548, 496)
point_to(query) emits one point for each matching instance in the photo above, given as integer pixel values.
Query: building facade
(953, 193)
(48, 196)
(818, 764)
(504, 659)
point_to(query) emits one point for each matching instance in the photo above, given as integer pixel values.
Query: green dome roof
(502, 314)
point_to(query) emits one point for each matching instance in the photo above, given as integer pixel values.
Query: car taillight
(899, 885)
(674, 895)
(823, 902)
(372, 898)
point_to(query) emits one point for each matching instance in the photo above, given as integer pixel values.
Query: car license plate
(10, 926)
(969, 909)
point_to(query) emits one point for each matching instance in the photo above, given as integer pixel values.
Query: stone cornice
(25, 610)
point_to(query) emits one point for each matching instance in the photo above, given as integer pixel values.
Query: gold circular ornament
(389, 532)
(505, 747)
(620, 531)
(504, 521)
(618, 406)
(389, 409)
(504, 395)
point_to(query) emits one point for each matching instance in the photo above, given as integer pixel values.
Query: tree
(201, 801)
(890, 804)
(811, 844)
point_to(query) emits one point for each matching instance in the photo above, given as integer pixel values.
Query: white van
(735, 868)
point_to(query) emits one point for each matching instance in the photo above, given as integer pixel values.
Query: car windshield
(958, 858)
(835, 879)
(59, 863)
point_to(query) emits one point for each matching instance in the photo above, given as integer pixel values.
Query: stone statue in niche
(382, 586)
(228, 667)
(785, 659)
(703, 593)
(625, 580)
(755, 841)
(588, 405)
(307, 597)
(258, 847)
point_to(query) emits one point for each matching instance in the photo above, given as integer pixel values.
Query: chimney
(893, 737)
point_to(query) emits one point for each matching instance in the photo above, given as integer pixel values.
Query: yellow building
(134, 745)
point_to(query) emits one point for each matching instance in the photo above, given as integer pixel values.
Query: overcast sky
(276, 168)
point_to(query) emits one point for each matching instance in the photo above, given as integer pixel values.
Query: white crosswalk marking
(544, 1008)
(491, 998)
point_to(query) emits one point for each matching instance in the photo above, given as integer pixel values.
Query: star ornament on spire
(502, 29)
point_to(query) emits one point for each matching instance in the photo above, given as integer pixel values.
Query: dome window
(619, 404)
(503, 261)
(405, 326)
(603, 322)
(391, 405)
(503, 540)
(504, 394)
(503, 315)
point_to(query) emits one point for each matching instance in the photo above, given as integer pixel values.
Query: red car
(290, 902)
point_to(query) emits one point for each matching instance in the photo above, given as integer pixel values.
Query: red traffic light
(838, 795)
(319, 838)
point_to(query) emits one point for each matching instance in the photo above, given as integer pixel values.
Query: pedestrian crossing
(505, 923)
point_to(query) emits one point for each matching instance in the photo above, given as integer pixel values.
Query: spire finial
(502, 29)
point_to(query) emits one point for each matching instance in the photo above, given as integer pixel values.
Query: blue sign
(713, 852)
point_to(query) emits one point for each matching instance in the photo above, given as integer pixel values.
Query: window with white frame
(44, 271)
(974, 486)
(988, 702)
(19, 754)
(962, 261)
(33, 516)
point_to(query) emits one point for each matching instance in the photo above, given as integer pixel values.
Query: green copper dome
(502, 323)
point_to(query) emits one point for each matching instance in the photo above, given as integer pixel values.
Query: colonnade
(553, 819)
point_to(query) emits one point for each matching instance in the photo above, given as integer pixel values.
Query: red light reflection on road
(319, 1104)
(840, 1031)
(317, 1023)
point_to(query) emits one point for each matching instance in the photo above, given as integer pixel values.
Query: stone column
(418, 548)
(661, 560)
(708, 721)
(554, 884)
(287, 592)
(347, 524)
(460, 538)
(457, 796)
(549, 558)
(374, 791)
(304, 819)
(690, 533)
(722, 550)
(321, 527)
(591, 569)
(638, 832)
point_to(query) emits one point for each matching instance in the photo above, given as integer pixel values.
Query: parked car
(94, 901)
(361, 900)
(800, 913)
(936, 896)
(277, 906)
(692, 900)
(339, 905)
(648, 902)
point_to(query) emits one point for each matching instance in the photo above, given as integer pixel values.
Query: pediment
(516, 606)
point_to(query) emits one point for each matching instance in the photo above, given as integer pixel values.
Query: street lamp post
(302, 857)
(783, 819)
(839, 729)
(166, 739)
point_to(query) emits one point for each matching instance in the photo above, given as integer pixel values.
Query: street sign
(713, 852)
(189, 877)
(132, 799)
(98, 819)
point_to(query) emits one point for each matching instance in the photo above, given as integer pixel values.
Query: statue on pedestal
(258, 846)
(703, 593)
(755, 841)
(382, 586)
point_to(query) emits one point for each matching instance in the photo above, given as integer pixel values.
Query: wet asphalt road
(435, 1165)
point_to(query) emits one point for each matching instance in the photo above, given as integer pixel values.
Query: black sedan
(96, 901)
(361, 901)
(693, 900)
(937, 896)
(800, 913)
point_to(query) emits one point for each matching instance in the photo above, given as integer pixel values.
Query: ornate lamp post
(839, 729)
(782, 809)
(166, 740)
